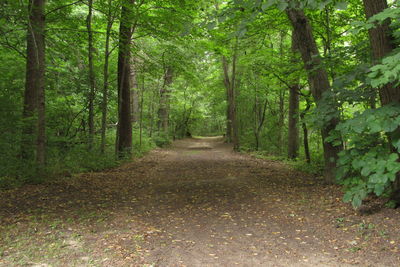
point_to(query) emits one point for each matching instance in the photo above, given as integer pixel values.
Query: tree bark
(318, 80)
(91, 75)
(294, 93)
(104, 105)
(124, 130)
(305, 131)
(227, 83)
(293, 132)
(134, 93)
(163, 111)
(232, 130)
(34, 96)
(382, 43)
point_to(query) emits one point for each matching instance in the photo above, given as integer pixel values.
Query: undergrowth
(67, 158)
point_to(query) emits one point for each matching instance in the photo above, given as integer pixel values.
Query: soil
(196, 203)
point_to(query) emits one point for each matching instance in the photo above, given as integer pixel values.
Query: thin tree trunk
(141, 112)
(91, 75)
(293, 132)
(281, 122)
(124, 130)
(134, 93)
(34, 96)
(305, 131)
(294, 93)
(235, 126)
(163, 111)
(227, 84)
(104, 106)
(318, 80)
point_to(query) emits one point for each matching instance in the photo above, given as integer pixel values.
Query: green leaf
(366, 170)
(341, 6)
(282, 6)
(266, 5)
(357, 201)
(379, 189)
(375, 127)
(348, 196)
(393, 157)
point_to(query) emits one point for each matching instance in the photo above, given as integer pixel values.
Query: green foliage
(161, 139)
(388, 71)
(141, 144)
(367, 165)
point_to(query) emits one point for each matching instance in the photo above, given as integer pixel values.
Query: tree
(294, 100)
(34, 97)
(124, 130)
(229, 82)
(163, 110)
(92, 77)
(382, 44)
(104, 105)
(318, 81)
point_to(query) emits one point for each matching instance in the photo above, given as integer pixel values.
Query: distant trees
(202, 67)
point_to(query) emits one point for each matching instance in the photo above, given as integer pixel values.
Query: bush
(368, 165)
(161, 139)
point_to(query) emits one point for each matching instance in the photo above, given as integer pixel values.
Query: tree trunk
(281, 122)
(124, 130)
(318, 80)
(382, 43)
(227, 84)
(305, 131)
(293, 132)
(230, 85)
(34, 96)
(91, 75)
(163, 111)
(134, 93)
(294, 93)
(104, 105)
(141, 111)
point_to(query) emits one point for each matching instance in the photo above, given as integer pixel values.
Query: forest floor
(194, 204)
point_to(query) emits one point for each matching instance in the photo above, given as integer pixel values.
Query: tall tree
(318, 80)
(107, 52)
(91, 73)
(294, 101)
(134, 91)
(34, 97)
(382, 44)
(232, 130)
(163, 111)
(124, 130)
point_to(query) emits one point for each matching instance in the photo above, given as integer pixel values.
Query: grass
(42, 243)
(315, 167)
(50, 240)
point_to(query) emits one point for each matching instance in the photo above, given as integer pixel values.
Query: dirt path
(194, 204)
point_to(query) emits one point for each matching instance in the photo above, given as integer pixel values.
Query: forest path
(196, 203)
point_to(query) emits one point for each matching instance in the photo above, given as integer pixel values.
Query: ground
(196, 203)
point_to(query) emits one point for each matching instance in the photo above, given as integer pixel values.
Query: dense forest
(88, 83)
